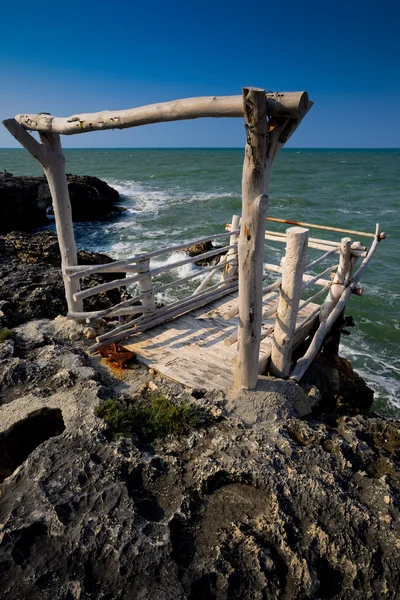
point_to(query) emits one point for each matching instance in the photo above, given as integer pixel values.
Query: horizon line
(210, 148)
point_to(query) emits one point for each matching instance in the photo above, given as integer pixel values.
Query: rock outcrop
(25, 201)
(31, 285)
(270, 500)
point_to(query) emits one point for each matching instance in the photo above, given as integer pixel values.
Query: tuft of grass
(4, 334)
(161, 418)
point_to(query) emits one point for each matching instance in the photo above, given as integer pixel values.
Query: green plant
(160, 418)
(4, 334)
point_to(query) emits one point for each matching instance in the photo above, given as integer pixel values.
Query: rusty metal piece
(116, 355)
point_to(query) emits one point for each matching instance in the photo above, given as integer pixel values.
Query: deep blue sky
(66, 58)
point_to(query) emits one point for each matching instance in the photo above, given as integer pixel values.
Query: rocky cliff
(287, 492)
(31, 285)
(25, 201)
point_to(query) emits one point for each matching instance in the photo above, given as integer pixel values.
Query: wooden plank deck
(191, 350)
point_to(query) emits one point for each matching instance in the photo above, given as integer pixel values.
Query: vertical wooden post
(293, 266)
(251, 239)
(146, 285)
(232, 270)
(50, 155)
(339, 280)
(54, 169)
(353, 259)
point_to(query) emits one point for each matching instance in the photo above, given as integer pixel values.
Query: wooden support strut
(304, 362)
(50, 155)
(293, 266)
(339, 280)
(230, 269)
(251, 239)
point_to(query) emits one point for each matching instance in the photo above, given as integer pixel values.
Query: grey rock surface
(271, 500)
(31, 285)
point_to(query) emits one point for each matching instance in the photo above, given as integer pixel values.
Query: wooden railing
(282, 300)
(270, 120)
(296, 284)
(143, 282)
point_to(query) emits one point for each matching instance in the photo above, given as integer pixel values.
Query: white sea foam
(150, 199)
(374, 368)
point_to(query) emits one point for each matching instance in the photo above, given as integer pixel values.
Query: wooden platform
(191, 349)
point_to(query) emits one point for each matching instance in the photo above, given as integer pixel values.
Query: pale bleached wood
(158, 289)
(110, 285)
(310, 239)
(323, 242)
(309, 279)
(198, 301)
(232, 270)
(235, 310)
(251, 239)
(324, 328)
(298, 337)
(315, 246)
(340, 279)
(359, 253)
(111, 269)
(313, 280)
(191, 349)
(284, 104)
(50, 155)
(181, 304)
(293, 266)
(97, 314)
(37, 150)
(145, 285)
(232, 339)
(314, 226)
(134, 259)
(320, 259)
(270, 311)
(210, 275)
(308, 318)
(54, 169)
(314, 297)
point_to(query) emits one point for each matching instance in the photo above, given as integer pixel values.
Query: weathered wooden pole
(339, 281)
(146, 285)
(251, 239)
(231, 270)
(50, 155)
(293, 266)
(54, 169)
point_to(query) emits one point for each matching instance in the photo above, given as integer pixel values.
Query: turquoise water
(180, 195)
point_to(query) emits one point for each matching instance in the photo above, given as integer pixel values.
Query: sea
(179, 195)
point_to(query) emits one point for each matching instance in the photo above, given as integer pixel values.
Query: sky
(87, 56)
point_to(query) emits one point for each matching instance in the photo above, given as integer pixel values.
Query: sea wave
(150, 199)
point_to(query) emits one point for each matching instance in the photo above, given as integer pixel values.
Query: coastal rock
(31, 285)
(198, 249)
(268, 501)
(341, 387)
(25, 201)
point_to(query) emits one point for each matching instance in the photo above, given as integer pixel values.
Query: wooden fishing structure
(246, 315)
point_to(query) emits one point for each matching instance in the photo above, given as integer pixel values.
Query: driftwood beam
(282, 104)
(36, 149)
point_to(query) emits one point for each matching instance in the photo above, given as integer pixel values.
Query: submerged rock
(270, 501)
(202, 247)
(25, 201)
